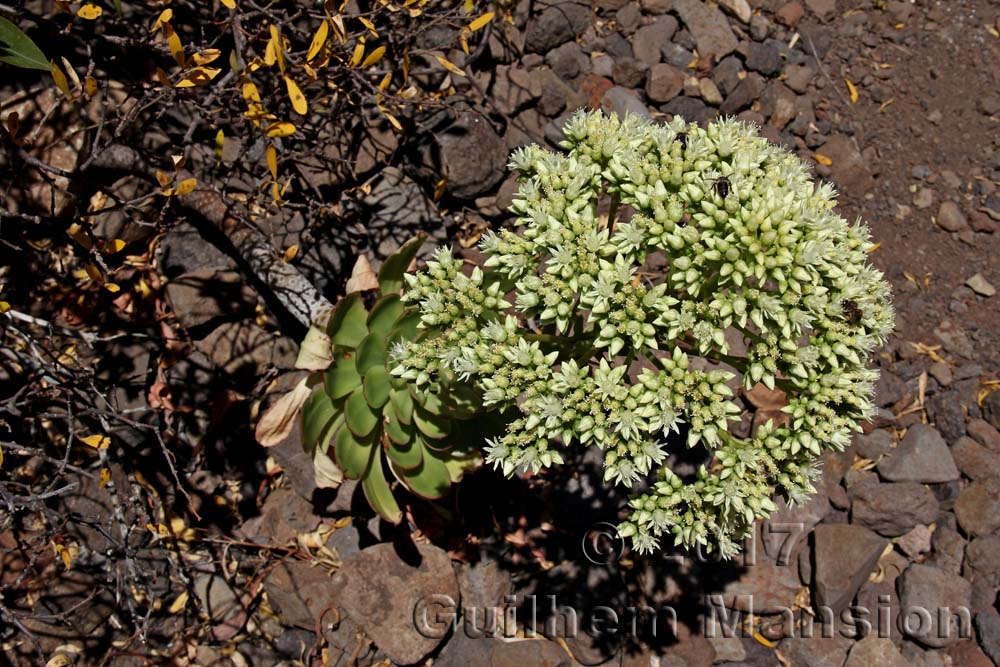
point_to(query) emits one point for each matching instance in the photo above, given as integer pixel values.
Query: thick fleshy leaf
(316, 350)
(325, 472)
(379, 494)
(342, 378)
(406, 457)
(459, 465)
(317, 414)
(371, 352)
(377, 386)
(353, 455)
(397, 431)
(279, 420)
(430, 479)
(347, 325)
(429, 401)
(390, 276)
(384, 314)
(361, 419)
(432, 426)
(406, 327)
(402, 403)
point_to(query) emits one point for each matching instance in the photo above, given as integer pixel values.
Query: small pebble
(981, 286)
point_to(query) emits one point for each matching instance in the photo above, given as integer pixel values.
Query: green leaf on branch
(17, 49)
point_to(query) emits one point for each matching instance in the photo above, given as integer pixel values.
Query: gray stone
(727, 74)
(204, 295)
(778, 103)
(469, 173)
(743, 95)
(620, 101)
(981, 286)
(299, 592)
(728, 649)
(974, 460)
(648, 41)
(945, 410)
(798, 77)
(765, 58)
(514, 88)
(889, 389)
(628, 18)
(988, 633)
(664, 82)
(950, 217)
(892, 509)
(848, 169)
(628, 72)
(924, 198)
(942, 373)
(843, 557)
(954, 339)
(917, 542)
(978, 507)
(948, 547)
(823, 9)
(556, 25)
(939, 598)
(922, 456)
(873, 445)
(568, 61)
(709, 92)
(815, 651)
(875, 651)
(690, 109)
(737, 8)
(709, 26)
(384, 594)
(760, 28)
(984, 433)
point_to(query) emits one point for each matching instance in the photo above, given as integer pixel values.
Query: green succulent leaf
(384, 314)
(402, 404)
(397, 431)
(317, 413)
(342, 377)
(379, 494)
(407, 456)
(371, 352)
(433, 426)
(406, 327)
(353, 455)
(390, 276)
(347, 326)
(430, 479)
(360, 416)
(377, 386)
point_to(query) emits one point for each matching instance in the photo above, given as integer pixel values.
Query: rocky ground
(896, 103)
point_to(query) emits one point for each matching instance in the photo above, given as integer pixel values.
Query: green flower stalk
(553, 328)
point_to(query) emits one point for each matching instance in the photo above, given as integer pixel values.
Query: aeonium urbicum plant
(764, 284)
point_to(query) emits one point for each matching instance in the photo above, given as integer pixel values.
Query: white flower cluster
(752, 248)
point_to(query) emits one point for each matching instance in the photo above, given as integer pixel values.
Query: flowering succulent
(367, 420)
(569, 329)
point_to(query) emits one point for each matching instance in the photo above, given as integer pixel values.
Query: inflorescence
(567, 328)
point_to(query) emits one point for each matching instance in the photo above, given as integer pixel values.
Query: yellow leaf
(187, 186)
(270, 54)
(113, 246)
(392, 119)
(206, 56)
(164, 17)
(174, 42)
(373, 57)
(64, 554)
(60, 79)
(111, 287)
(229, 4)
(882, 106)
(874, 247)
(162, 77)
(1, 449)
(318, 40)
(439, 188)
(198, 76)
(182, 599)
(276, 193)
(90, 85)
(93, 273)
(338, 28)
(463, 39)
(852, 90)
(359, 50)
(162, 178)
(368, 24)
(761, 639)
(295, 95)
(105, 477)
(290, 253)
(250, 92)
(220, 144)
(822, 159)
(272, 161)
(386, 80)
(89, 12)
(481, 22)
(77, 87)
(96, 441)
(279, 129)
(448, 65)
(276, 41)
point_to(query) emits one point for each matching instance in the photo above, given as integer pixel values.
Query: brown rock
(664, 82)
(790, 14)
(985, 434)
(384, 592)
(978, 507)
(844, 555)
(950, 217)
